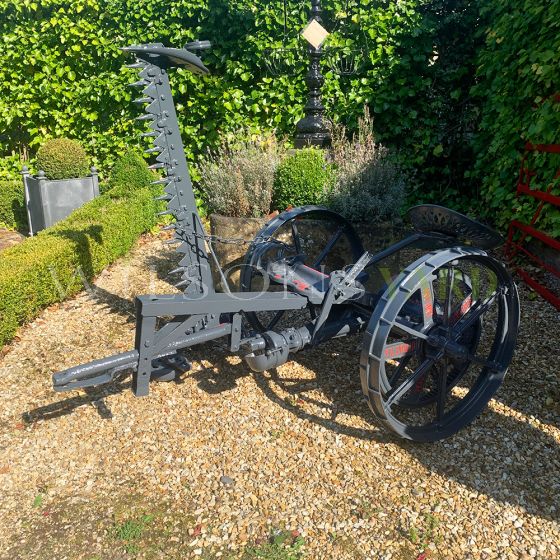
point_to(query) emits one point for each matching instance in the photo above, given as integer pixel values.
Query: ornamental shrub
(53, 265)
(369, 185)
(12, 205)
(62, 158)
(302, 178)
(237, 180)
(129, 174)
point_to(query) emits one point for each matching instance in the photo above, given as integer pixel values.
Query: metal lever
(198, 45)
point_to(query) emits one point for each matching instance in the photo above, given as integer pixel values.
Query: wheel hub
(452, 348)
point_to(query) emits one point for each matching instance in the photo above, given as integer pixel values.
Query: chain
(259, 240)
(235, 240)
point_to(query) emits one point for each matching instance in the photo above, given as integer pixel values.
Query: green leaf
(438, 150)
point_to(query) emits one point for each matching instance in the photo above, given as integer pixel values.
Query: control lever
(198, 45)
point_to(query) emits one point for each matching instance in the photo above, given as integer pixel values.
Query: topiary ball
(302, 178)
(129, 174)
(62, 158)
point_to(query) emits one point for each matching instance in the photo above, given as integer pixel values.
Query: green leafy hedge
(61, 76)
(50, 267)
(519, 77)
(12, 205)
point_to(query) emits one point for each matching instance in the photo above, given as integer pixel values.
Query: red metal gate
(518, 231)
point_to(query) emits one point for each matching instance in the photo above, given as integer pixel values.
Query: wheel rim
(439, 343)
(320, 238)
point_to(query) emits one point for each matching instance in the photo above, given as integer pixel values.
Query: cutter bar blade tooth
(181, 269)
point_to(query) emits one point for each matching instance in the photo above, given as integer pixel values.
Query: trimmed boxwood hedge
(12, 205)
(49, 267)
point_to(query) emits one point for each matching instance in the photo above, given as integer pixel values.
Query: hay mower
(437, 335)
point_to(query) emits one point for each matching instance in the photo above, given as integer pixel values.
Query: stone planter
(231, 256)
(48, 202)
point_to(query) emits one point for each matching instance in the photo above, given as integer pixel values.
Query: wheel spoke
(472, 315)
(441, 389)
(396, 395)
(462, 309)
(494, 366)
(327, 249)
(275, 320)
(449, 296)
(407, 329)
(400, 368)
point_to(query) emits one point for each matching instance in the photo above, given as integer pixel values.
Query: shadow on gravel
(94, 396)
(163, 264)
(506, 459)
(498, 456)
(115, 303)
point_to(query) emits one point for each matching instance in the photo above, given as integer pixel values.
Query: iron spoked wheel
(425, 390)
(439, 343)
(320, 238)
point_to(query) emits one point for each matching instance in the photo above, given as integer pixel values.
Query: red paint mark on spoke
(427, 302)
(398, 350)
(300, 285)
(419, 385)
(465, 306)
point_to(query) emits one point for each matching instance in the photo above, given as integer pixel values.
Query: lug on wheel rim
(439, 342)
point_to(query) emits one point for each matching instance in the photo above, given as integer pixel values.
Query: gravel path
(212, 466)
(9, 238)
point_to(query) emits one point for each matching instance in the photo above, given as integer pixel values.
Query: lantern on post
(312, 130)
(341, 57)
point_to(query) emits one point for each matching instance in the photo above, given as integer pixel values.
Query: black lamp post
(312, 129)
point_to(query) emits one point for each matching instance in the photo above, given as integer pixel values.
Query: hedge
(519, 83)
(48, 268)
(12, 205)
(61, 76)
